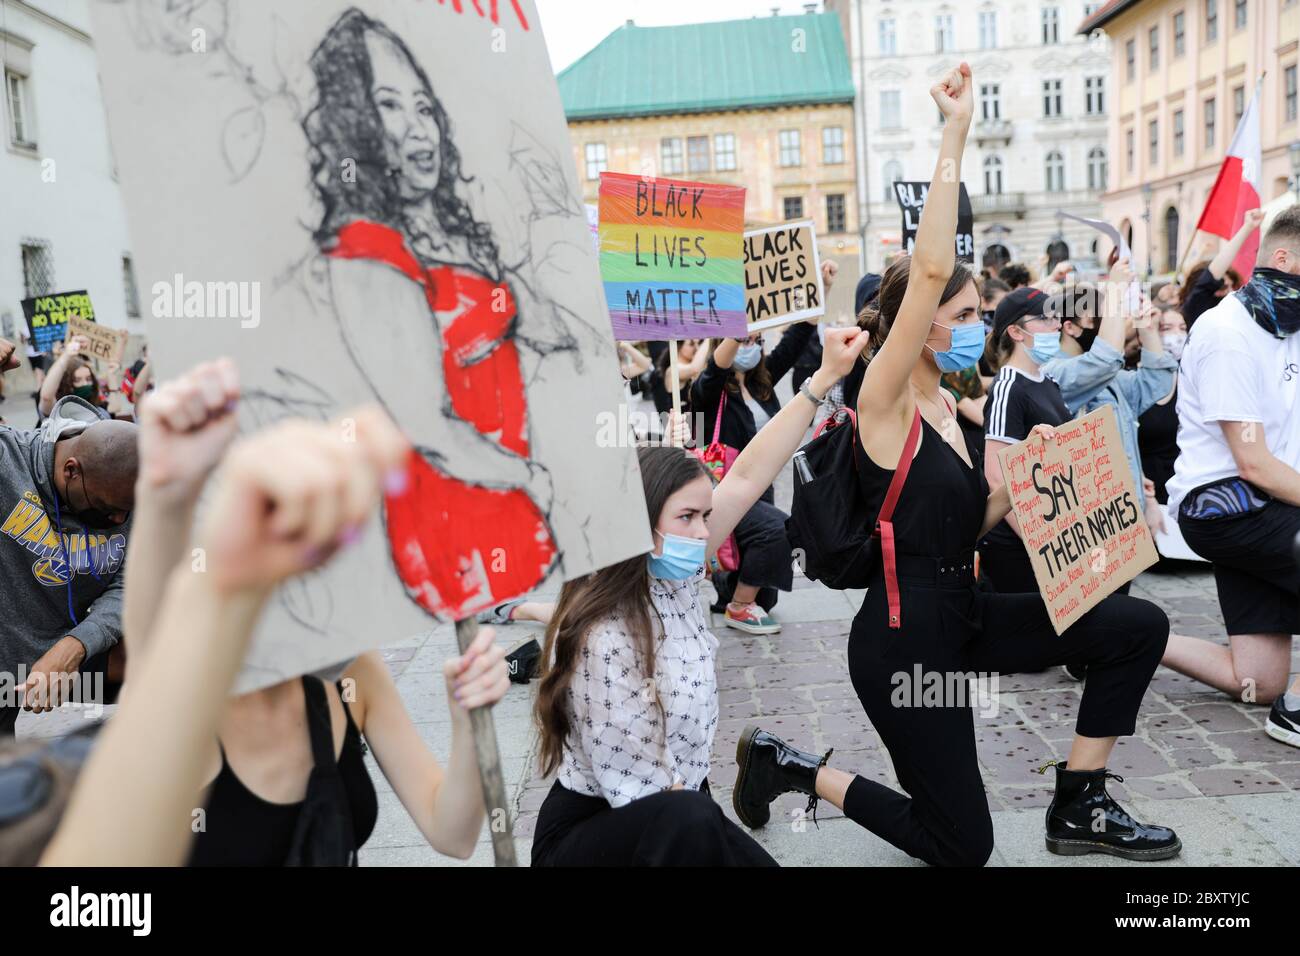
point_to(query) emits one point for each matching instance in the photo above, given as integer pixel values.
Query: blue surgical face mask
(1046, 346)
(965, 349)
(747, 356)
(682, 558)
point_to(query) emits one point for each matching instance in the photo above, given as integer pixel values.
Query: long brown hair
(758, 380)
(878, 316)
(621, 591)
(69, 375)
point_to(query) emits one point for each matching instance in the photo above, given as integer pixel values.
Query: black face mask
(987, 316)
(1086, 337)
(92, 517)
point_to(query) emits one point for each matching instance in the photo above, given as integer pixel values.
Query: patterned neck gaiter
(1272, 297)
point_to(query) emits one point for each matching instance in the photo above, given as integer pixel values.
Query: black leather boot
(770, 767)
(1083, 818)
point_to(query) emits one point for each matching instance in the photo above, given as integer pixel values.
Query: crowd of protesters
(943, 367)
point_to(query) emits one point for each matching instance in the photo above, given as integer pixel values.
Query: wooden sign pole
(489, 763)
(675, 386)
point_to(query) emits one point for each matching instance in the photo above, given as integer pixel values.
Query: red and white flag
(1237, 188)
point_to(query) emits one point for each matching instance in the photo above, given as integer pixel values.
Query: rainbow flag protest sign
(671, 257)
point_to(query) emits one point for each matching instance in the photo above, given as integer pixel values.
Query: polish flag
(1237, 188)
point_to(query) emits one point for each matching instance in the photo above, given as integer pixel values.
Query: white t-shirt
(1233, 371)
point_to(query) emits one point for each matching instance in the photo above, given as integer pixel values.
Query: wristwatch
(805, 389)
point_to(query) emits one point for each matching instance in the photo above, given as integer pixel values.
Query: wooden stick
(489, 764)
(674, 386)
(1182, 260)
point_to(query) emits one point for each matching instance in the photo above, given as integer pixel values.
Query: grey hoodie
(40, 605)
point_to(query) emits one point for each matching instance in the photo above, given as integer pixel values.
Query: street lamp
(1146, 218)
(1294, 151)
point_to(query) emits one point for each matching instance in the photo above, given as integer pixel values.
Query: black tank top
(242, 829)
(941, 507)
(1158, 444)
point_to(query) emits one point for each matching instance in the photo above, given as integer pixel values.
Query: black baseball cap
(867, 290)
(1023, 303)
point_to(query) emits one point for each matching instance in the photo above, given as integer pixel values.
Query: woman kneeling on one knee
(927, 321)
(628, 702)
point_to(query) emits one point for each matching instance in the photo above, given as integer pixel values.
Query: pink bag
(718, 459)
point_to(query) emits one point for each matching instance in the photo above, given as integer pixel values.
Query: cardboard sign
(670, 257)
(381, 206)
(47, 316)
(911, 200)
(783, 275)
(106, 345)
(1080, 517)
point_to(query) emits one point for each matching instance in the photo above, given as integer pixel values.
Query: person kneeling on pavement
(66, 492)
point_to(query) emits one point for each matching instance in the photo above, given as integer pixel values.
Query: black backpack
(837, 541)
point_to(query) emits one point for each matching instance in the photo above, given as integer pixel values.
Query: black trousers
(672, 828)
(943, 818)
(765, 557)
(1255, 568)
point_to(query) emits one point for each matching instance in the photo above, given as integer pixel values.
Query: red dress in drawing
(461, 548)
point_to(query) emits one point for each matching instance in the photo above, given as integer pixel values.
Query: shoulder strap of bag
(320, 726)
(885, 526)
(834, 421)
(323, 835)
(717, 422)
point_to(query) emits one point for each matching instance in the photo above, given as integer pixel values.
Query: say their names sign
(783, 277)
(1080, 515)
(670, 257)
(106, 345)
(911, 200)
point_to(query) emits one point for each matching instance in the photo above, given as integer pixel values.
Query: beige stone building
(1182, 72)
(765, 103)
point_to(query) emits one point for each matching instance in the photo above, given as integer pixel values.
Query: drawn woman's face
(411, 134)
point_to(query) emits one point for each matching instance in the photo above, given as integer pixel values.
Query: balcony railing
(998, 204)
(993, 132)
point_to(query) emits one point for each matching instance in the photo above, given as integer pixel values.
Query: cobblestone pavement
(1199, 761)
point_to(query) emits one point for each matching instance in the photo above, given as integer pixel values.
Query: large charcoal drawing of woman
(424, 310)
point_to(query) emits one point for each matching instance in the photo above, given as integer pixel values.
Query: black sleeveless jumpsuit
(950, 627)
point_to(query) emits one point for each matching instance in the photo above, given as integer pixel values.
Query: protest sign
(47, 316)
(106, 345)
(783, 276)
(1080, 516)
(670, 257)
(437, 261)
(1132, 302)
(1106, 229)
(911, 200)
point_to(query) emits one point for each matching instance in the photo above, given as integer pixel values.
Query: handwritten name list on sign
(670, 257)
(1080, 515)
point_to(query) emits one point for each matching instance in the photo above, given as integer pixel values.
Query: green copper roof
(699, 67)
